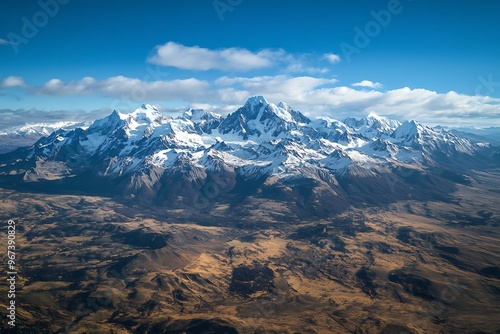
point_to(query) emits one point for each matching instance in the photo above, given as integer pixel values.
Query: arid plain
(93, 265)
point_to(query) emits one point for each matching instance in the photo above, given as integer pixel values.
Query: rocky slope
(261, 149)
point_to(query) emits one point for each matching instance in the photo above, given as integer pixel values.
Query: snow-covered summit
(259, 138)
(254, 101)
(372, 125)
(198, 115)
(42, 129)
(147, 112)
(271, 148)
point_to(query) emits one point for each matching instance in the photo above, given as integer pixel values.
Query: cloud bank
(368, 83)
(315, 96)
(12, 82)
(332, 58)
(203, 59)
(298, 79)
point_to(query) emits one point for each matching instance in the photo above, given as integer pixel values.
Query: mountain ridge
(152, 158)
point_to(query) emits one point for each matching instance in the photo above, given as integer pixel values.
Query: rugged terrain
(12, 138)
(263, 221)
(320, 166)
(91, 265)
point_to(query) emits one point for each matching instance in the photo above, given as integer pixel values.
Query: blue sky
(434, 61)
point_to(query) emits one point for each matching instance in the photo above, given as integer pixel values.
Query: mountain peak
(257, 117)
(199, 114)
(255, 101)
(259, 141)
(373, 118)
(381, 123)
(285, 106)
(147, 112)
(205, 121)
(408, 130)
(108, 123)
(372, 125)
(192, 113)
(148, 107)
(409, 126)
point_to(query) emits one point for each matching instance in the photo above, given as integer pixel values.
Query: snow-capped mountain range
(43, 129)
(158, 158)
(28, 134)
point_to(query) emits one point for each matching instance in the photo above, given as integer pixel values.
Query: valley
(91, 264)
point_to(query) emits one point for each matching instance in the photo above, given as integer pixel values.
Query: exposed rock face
(318, 167)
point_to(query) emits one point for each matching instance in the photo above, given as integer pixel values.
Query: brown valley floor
(92, 265)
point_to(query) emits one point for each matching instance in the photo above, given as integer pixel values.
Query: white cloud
(57, 87)
(300, 63)
(15, 118)
(419, 104)
(298, 67)
(198, 58)
(187, 89)
(236, 59)
(125, 88)
(315, 96)
(280, 87)
(368, 83)
(332, 58)
(13, 81)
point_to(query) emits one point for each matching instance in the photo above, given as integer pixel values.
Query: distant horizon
(402, 59)
(87, 118)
